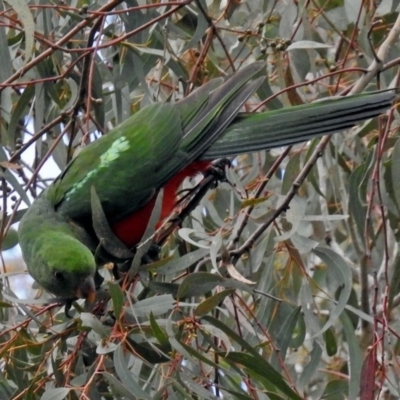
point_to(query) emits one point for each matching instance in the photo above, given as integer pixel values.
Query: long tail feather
(262, 131)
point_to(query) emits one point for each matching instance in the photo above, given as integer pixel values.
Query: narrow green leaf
(127, 378)
(198, 283)
(286, 333)
(119, 387)
(55, 394)
(356, 207)
(355, 359)
(254, 359)
(58, 374)
(150, 352)
(19, 112)
(260, 368)
(307, 303)
(5, 57)
(181, 263)
(201, 357)
(338, 267)
(174, 341)
(187, 233)
(217, 333)
(354, 10)
(117, 297)
(211, 302)
(90, 321)
(237, 395)
(336, 389)
(12, 180)
(26, 17)
(60, 153)
(396, 172)
(311, 368)
(10, 240)
(145, 244)
(156, 305)
(164, 288)
(194, 387)
(201, 27)
(231, 334)
(291, 171)
(158, 332)
(111, 243)
(330, 342)
(308, 44)
(394, 288)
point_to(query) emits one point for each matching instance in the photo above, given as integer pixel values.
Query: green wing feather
(128, 165)
(122, 166)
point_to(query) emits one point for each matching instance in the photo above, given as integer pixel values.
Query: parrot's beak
(87, 290)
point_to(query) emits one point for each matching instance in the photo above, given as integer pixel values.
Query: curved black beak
(86, 290)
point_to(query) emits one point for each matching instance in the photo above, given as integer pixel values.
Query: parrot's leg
(218, 168)
(215, 173)
(68, 305)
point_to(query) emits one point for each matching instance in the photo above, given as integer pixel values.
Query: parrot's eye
(59, 276)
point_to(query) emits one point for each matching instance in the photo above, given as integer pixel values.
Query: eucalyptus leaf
(307, 44)
(126, 376)
(182, 263)
(119, 387)
(156, 305)
(26, 17)
(90, 321)
(342, 273)
(198, 283)
(55, 394)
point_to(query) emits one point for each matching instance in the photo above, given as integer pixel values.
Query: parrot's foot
(215, 173)
(191, 199)
(152, 255)
(218, 170)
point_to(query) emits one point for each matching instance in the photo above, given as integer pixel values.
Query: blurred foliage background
(312, 309)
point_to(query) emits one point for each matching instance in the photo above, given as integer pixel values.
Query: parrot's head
(63, 265)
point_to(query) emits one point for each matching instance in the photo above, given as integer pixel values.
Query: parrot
(156, 149)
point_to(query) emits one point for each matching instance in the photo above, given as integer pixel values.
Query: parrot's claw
(218, 170)
(215, 173)
(191, 199)
(152, 255)
(68, 305)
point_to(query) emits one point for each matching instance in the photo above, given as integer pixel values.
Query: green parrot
(156, 148)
